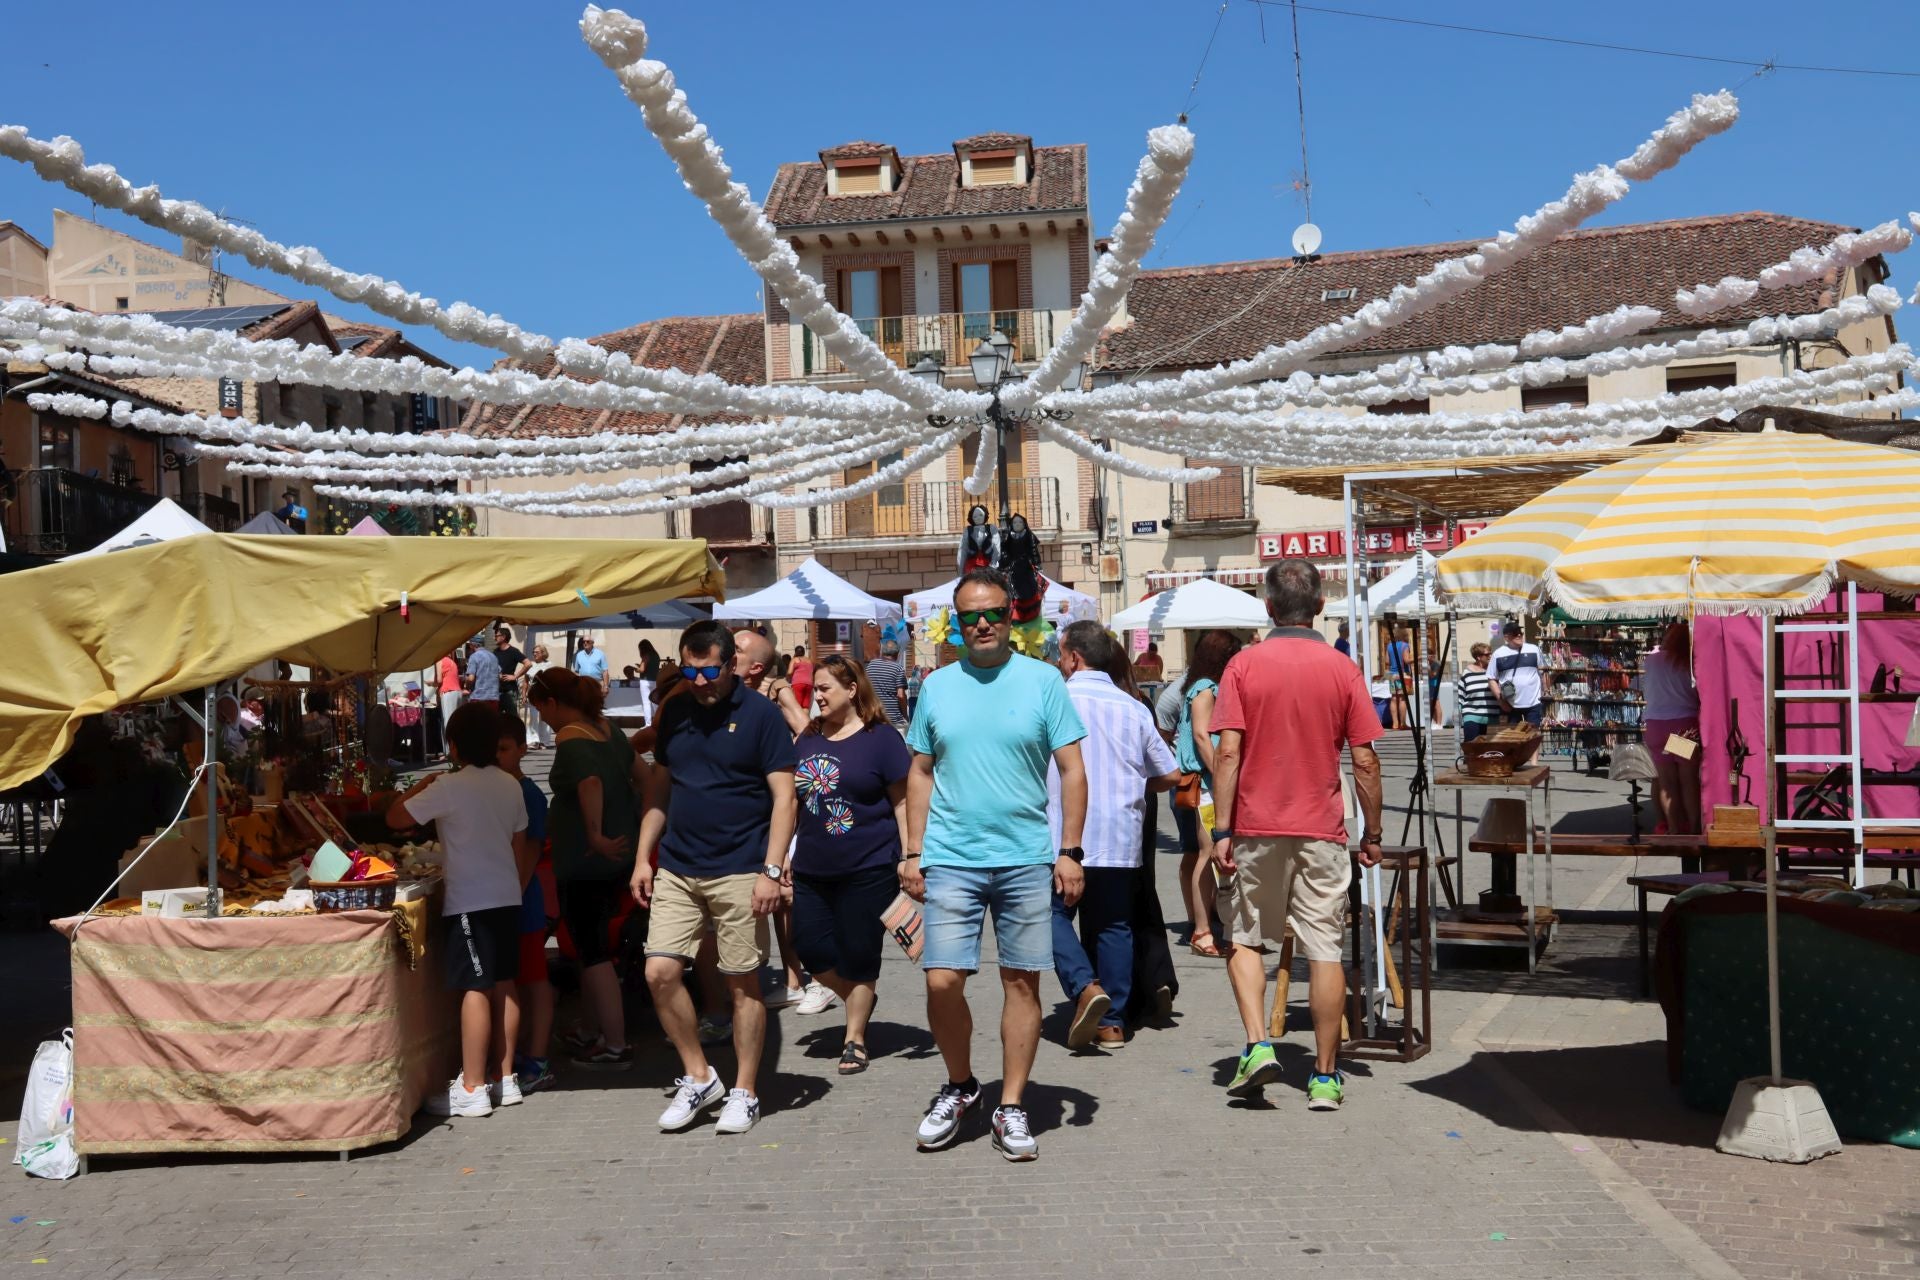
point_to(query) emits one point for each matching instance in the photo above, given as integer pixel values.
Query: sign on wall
(1392, 540)
(1146, 526)
(229, 397)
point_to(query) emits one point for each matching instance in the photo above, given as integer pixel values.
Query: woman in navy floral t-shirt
(851, 784)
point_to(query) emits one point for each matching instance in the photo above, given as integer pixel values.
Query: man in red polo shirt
(1286, 707)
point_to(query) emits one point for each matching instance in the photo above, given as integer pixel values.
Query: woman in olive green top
(593, 826)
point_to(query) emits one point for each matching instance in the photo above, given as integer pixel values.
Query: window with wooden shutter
(1533, 399)
(994, 171)
(857, 179)
(1399, 406)
(1700, 377)
(1224, 498)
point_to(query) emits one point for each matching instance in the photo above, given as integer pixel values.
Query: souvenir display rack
(1590, 686)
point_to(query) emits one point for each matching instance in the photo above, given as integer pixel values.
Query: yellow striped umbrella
(1761, 523)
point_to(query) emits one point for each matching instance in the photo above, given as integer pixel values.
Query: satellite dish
(1306, 239)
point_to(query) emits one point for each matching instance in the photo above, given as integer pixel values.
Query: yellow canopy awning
(1750, 524)
(87, 635)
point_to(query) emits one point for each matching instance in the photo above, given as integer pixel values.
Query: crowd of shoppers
(997, 791)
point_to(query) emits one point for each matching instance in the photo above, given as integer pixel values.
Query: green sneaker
(1326, 1093)
(1258, 1068)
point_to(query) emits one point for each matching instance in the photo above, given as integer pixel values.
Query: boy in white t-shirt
(481, 818)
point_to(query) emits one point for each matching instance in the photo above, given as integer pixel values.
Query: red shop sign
(1325, 544)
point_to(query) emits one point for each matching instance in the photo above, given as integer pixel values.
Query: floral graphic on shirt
(839, 817)
(816, 778)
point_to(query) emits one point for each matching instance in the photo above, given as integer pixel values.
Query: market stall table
(255, 1033)
(1534, 923)
(1666, 886)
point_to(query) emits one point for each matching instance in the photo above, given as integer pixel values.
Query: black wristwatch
(1075, 852)
(1222, 833)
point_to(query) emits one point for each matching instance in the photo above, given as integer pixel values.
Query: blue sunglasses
(711, 673)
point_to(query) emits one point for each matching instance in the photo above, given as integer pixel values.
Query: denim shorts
(958, 899)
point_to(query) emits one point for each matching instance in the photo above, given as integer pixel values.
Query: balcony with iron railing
(948, 338)
(1221, 507)
(49, 511)
(729, 525)
(222, 515)
(933, 511)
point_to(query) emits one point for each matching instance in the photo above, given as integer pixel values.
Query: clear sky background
(478, 151)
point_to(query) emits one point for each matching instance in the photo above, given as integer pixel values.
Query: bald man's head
(752, 657)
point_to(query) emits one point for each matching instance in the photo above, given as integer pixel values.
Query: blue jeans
(958, 899)
(1103, 951)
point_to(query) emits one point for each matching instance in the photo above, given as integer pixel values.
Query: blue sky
(480, 152)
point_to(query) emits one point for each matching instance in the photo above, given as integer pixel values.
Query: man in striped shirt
(1125, 757)
(889, 680)
(1475, 694)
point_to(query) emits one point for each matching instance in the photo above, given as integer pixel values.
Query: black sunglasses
(973, 617)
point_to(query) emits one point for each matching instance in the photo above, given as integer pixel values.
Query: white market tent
(164, 521)
(1397, 593)
(1079, 606)
(811, 592)
(1191, 605)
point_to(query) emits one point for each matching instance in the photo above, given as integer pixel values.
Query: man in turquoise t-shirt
(982, 736)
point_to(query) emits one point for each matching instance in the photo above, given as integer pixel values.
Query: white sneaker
(505, 1092)
(817, 999)
(949, 1107)
(690, 1098)
(1012, 1136)
(458, 1100)
(740, 1113)
(781, 997)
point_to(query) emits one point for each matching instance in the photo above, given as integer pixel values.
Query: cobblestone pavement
(1539, 1138)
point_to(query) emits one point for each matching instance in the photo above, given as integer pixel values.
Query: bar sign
(229, 397)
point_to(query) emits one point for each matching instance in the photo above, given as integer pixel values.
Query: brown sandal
(1207, 948)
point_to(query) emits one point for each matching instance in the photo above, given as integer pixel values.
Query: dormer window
(995, 160)
(1001, 170)
(861, 169)
(857, 178)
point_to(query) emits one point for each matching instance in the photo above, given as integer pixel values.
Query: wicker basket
(1499, 753)
(354, 895)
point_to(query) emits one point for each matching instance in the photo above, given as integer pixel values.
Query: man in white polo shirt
(1515, 674)
(1125, 757)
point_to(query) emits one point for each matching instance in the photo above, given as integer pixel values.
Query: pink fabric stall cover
(1727, 665)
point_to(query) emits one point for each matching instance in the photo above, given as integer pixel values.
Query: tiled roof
(1256, 304)
(364, 339)
(729, 347)
(378, 342)
(856, 150)
(992, 141)
(929, 187)
(284, 322)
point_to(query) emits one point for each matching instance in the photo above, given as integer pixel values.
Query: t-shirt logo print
(818, 777)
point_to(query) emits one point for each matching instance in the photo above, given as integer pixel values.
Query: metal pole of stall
(1770, 675)
(1356, 639)
(213, 806)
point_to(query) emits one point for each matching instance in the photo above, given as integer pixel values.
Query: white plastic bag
(45, 1139)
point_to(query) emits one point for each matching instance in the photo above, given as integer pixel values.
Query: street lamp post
(992, 363)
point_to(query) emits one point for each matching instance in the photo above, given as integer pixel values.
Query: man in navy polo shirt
(721, 819)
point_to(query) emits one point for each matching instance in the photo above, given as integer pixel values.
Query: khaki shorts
(1288, 880)
(683, 906)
